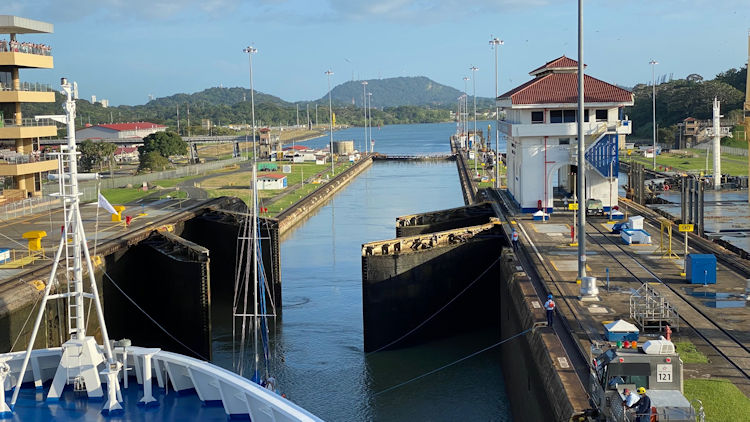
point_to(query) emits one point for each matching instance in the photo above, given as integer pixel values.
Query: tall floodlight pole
(364, 108)
(653, 104)
(474, 144)
(580, 177)
(250, 51)
(466, 111)
(330, 117)
(495, 43)
(369, 113)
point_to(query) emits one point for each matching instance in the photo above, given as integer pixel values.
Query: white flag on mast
(103, 203)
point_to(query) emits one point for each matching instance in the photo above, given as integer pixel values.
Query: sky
(126, 50)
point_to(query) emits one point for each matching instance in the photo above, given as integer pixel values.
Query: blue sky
(125, 50)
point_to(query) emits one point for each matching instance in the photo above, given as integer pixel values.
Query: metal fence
(28, 206)
(88, 188)
(724, 149)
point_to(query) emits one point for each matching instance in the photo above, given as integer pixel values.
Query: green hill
(401, 91)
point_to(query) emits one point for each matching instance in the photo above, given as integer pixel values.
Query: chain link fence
(88, 188)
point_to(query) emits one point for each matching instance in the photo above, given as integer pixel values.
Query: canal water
(318, 345)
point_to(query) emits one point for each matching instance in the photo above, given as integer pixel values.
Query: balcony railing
(25, 47)
(8, 156)
(27, 122)
(27, 86)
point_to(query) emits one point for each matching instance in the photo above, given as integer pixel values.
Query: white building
(268, 181)
(541, 132)
(119, 131)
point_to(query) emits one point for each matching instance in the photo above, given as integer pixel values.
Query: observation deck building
(21, 163)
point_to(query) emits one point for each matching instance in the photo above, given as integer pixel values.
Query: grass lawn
(737, 167)
(721, 400)
(119, 196)
(688, 352)
(237, 184)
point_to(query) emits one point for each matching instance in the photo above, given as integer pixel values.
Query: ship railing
(238, 395)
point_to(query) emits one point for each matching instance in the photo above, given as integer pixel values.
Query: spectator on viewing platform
(549, 306)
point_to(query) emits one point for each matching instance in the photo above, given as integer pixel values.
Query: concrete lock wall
(528, 368)
(443, 220)
(401, 290)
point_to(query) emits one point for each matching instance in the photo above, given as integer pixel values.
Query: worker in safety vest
(514, 238)
(549, 306)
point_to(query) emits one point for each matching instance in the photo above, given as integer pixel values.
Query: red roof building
(540, 127)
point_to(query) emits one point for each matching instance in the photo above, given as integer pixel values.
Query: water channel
(318, 345)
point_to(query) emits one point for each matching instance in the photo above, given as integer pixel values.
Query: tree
(165, 143)
(95, 154)
(734, 77)
(153, 161)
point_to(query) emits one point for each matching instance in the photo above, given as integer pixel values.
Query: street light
(364, 107)
(474, 144)
(653, 104)
(330, 117)
(495, 43)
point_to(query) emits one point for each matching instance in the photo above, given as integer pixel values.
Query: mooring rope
(452, 363)
(153, 320)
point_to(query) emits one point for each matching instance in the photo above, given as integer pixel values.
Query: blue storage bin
(701, 268)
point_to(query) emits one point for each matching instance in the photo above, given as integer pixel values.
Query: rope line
(442, 308)
(153, 320)
(452, 363)
(25, 322)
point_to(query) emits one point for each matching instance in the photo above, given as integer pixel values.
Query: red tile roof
(131, 126)
(563, 88)
(125, 150)
(296, 148)
(272, 176)
(560, 62)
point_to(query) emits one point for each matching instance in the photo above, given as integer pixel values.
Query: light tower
(330, 118)
(496, 43)
(364, 107)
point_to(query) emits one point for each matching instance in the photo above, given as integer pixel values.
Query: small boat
(83, 378)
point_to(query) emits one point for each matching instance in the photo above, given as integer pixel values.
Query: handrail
(28, 122)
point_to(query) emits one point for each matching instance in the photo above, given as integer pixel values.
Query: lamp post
(474, 144)
(364, 107)
(369, 113)
(495, 43)
(330, 118)
(580, 176)
(466, 112)
(653, 104)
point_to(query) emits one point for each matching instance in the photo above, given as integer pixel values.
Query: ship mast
(81, 355)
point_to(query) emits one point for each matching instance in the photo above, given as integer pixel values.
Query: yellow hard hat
(641, 390)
